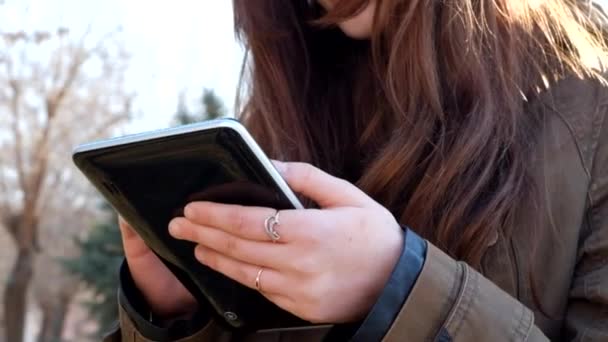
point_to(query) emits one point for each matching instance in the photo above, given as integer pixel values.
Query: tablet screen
(149, 183)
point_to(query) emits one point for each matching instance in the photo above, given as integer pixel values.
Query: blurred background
(73, 71)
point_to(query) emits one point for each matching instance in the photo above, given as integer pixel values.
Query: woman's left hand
(329, 265)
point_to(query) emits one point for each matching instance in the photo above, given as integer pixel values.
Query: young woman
(464, 191)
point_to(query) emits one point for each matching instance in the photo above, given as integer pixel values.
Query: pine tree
(183, 116)
(211, 107)
(97, 266)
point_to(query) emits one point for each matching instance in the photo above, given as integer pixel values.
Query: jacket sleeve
(452, 302)
(125, 331)
(128, 332)
(135, 326)
(395, 292)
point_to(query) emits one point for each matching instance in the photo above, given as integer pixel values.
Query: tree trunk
(59, 319)
(53, 319)
(15, 295)
(45, 328)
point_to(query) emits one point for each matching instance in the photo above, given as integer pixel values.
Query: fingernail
(198, 253)
(188, 211)
(174, 228)
(280, 166)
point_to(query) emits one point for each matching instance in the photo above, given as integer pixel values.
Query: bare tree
(71, 211)
(54, 91)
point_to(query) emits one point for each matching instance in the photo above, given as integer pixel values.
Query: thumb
(133, 245)
(321, 187)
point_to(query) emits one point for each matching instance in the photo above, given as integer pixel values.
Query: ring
(257, 280)
(269, 224)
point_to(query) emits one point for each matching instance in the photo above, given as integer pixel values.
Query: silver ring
(258, 285)
(269, 224)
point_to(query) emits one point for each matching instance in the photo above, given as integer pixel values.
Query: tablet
(149, 178)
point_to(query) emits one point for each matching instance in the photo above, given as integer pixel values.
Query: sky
(182, 45)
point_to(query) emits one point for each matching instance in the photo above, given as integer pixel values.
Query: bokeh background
(73, 71)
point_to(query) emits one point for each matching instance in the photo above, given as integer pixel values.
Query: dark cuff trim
(134, 304)
(402, 280)
(444, 336)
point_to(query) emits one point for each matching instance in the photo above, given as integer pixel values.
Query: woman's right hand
(164, 293)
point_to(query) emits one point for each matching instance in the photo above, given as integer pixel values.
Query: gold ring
(257, 280)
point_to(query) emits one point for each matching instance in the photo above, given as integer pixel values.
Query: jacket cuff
(396, 291)
(134, 305)
(452, 302)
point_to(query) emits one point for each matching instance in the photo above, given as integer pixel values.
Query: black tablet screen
(150, 182)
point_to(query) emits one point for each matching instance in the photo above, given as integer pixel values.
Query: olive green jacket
(451, 301)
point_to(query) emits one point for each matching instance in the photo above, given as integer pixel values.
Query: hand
(329, 265)
(165, 295)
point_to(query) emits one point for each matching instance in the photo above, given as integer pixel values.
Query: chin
(360, 26)
(356, 32)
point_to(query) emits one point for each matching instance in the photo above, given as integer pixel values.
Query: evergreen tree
(183, 116)
(211, 107)
(97, 266)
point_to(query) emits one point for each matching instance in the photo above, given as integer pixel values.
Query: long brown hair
(427, 116)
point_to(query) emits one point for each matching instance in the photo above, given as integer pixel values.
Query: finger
(249, 222)
(133, 244)
(126, 229)
(283, 301)
(252, 252)
(323, 188)
(271, 281)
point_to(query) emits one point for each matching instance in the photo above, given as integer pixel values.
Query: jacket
(567, 299)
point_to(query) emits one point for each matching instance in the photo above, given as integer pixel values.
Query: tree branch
(5, 206)
(54, 100)
(55, 185)
(15, 99)
(103, 128)
(53, 103)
